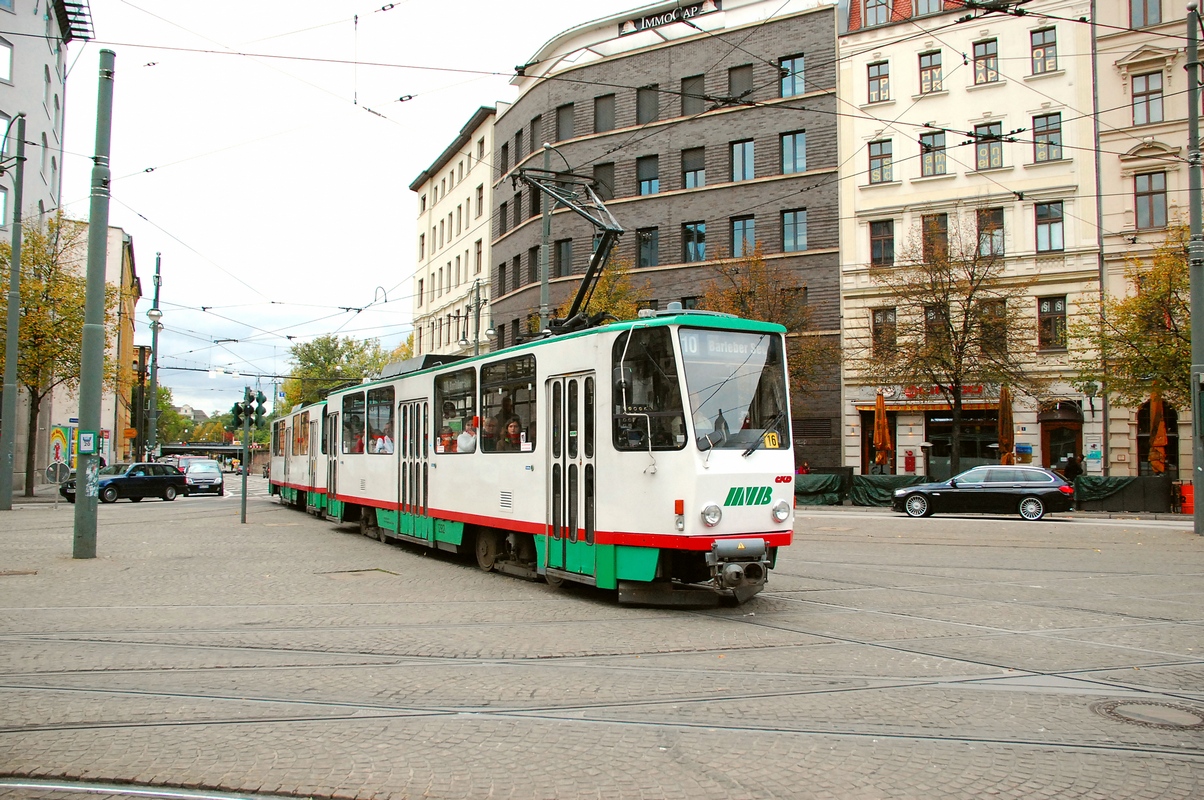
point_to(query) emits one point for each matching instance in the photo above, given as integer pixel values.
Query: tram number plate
(770, 440)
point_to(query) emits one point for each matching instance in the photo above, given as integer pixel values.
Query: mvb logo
(749, 496)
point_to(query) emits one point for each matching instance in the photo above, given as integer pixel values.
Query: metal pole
(476, 310)
(248, 406)
(1195, 257)
(543, 250)
(93, 348)
(1101, 263)
(152, 434)
(8, 407)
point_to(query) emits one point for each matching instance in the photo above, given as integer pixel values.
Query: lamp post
(476, 313)
(154, 315)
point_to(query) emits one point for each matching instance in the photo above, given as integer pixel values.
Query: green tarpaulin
(1092, 487)
(879, 490)
(817, 490)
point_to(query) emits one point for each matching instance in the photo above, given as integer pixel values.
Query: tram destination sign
(630, 26)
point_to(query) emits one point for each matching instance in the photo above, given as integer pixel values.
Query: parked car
(135, 481)
(1031, 492)
(205, 476)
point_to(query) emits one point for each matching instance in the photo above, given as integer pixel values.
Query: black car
(135, 481)
(1031, 492)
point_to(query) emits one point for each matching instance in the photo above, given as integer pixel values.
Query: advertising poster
(60, 445)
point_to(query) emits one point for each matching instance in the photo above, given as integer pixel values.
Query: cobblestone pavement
(890, 658)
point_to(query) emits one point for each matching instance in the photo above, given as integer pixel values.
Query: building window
(537, 139)
(503, 216)
(650, 247)
(1150, 191)
(421, 246)
(794, 230)
(880, 162)
(422, 205)
(930, 72)
(990, 231)
(647, 171)
(877, 12)
(503, 161)
(744, 236)
(936, 324)
(647, 104)
(604, 113)
(533, 272)
(932, 153)
(604, 180)
(481, 149)
(740, 81)
(883, 331)
(924, 7)
(1045, 51)
(501, 278)
(693, 91)
(1047, 137)
(882, 242)
(693, 168)
(742, 160)
(1049, 227)
(1147, 98)
(794, 152)
(986, 61)
(480, 200)
(879, 75)
(993, 328)
(1051, 323)
(420, 284)
(934, 243)
(988, 148)
(792, 76)
(564, 122)
(533, 207)
(693, 242)
(518, 153)
(1144, 12)
(562, 263)
(478, 249)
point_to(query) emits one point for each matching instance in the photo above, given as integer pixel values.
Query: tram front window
(737, 389)
(647, 410)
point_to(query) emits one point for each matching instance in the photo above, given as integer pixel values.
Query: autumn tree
(752, 288)
(950, 318)
(328, 362)
(403, 351)
(53, 286)
(1142, 339)
(211, 430)
(616, 293)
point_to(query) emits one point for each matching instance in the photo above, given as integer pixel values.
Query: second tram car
(651, 456)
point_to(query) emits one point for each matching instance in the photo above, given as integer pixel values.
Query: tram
(652, 457)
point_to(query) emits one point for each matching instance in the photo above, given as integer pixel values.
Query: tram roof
(725, 322)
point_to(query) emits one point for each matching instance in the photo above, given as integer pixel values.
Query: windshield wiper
(773, 426)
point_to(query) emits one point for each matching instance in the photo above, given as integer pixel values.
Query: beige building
(451, 282)
(997, 145)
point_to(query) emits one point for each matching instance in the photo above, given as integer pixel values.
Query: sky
(264, 149)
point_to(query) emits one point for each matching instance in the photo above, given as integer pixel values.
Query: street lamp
(154, 315)
(475, 307)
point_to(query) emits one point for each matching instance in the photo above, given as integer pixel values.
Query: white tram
(652, 456)
(298, 465)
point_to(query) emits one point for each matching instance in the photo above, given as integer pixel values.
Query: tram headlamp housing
(711, 515)
(781, 510)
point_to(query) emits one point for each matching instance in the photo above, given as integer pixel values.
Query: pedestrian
(1073, 468)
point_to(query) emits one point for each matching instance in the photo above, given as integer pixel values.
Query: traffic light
(237, 411)
(260, 409)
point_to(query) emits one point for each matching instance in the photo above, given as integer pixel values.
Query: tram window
(301, 433)
(508, 405)
(323, 442)
(278, 438)
(647, 392)
(456, 396)
(380, 421)
(353, 423)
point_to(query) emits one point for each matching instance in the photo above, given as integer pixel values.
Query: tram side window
(508, 406)
(278, 438)
(647, 392)
(456, 396)
(380, 420)
(302, 433)
(353, 423)
(323, 443)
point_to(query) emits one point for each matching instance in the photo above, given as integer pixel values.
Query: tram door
(332, 452)
(288, 451)
(412, 477)
(571, 412)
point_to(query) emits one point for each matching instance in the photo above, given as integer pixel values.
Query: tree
(403, 351)
(1143, 340)
(752, 288)
(171, 425)
(950, 319)
(211, 430)
(328, 362)
(53, 287)
(615, 293)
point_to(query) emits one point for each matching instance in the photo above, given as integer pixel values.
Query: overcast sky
(277, 189)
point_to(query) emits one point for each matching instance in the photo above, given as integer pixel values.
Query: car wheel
(108, 494)
(916, 505)
(169, 493)
(1032, 509)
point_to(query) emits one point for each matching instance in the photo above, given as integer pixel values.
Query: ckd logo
(749, 496)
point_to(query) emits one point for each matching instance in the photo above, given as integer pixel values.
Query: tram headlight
(781, 510)
(711, 515)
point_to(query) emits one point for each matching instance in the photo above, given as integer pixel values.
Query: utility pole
(93, 348)
(8, 408)
(543, 250)
(1195, 259)
(154, 315)
(248, 410)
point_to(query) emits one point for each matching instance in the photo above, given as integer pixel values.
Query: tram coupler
(739, 565)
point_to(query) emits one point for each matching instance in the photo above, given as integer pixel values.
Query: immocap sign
(669, 16)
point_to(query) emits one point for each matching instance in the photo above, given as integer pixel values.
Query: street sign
(130, 433)
(73, 420)
(57, 473)
(87, 443)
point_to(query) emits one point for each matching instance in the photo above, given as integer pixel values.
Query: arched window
(1171, 418)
